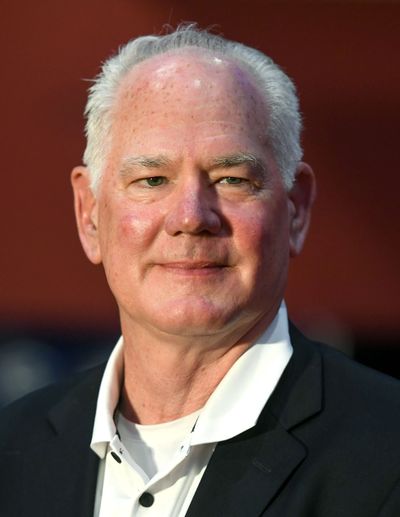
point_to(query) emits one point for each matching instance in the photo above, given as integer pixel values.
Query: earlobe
(300, 200)
(85, 204)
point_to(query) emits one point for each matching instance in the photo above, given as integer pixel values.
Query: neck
(166, 379)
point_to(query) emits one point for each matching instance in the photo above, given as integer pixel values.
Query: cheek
(128, 235)
(128, 231)
(133, 226)
(261, 235)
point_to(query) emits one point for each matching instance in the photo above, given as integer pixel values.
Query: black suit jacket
(327, 444)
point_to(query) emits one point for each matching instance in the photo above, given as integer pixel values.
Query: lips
(192, 264)
(190, 267)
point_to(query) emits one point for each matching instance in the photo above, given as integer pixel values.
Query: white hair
(283, 126)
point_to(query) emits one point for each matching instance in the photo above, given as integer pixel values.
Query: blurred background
(56, 312)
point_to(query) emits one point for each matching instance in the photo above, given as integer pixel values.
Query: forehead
(188, 80)
(192, 98)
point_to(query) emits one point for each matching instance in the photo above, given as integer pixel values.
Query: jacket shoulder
(25, 420)
(345, 377)
(352, 383)
(355, 404)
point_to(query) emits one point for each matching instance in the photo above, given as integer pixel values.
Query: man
(194, 198)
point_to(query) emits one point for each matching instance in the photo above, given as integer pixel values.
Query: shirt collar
(234, 406)
(104, 426)
(238, 400)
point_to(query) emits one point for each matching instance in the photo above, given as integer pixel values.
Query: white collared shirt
(233, 408)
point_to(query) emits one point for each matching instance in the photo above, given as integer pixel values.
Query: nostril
(192, 218)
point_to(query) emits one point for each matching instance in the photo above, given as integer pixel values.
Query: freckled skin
(192, 109)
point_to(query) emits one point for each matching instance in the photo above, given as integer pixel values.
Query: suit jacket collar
(246, 472)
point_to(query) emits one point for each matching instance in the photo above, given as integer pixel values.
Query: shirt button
(116, 457)
(146, 499)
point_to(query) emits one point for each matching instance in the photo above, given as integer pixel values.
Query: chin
(194, 317)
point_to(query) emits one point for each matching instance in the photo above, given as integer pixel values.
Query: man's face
(192, 218)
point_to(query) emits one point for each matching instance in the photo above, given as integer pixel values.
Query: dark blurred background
(56, 312)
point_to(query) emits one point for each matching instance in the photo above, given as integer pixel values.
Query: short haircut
(283, 126)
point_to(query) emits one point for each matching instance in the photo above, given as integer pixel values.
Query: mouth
(193, 268)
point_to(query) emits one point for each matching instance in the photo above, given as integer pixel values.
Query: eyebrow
(147, 162)
(157, 162)
(233, 160)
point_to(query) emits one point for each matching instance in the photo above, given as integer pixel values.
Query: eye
(232, 180)
(155, 181)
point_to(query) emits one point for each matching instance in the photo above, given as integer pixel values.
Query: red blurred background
(344, 58)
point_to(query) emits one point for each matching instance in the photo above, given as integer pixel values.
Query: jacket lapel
(246, 472)
(62, 471)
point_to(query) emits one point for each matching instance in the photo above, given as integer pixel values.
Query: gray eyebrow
(232, 160)
(155, 162)
(149, 162)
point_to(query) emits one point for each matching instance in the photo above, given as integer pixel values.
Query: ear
(300, 200)
(85, 204)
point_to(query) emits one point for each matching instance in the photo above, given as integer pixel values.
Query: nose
(193, 210)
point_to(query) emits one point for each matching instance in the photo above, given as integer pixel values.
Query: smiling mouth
(196, 268)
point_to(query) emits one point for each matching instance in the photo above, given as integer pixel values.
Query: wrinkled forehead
(186, 75)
